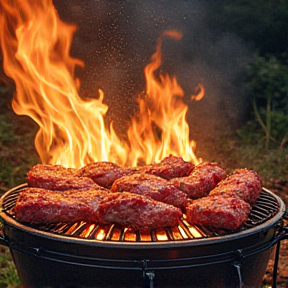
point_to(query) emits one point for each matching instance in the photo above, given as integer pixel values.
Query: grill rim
(265, 226)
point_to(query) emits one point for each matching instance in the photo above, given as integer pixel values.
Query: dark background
(117, 38)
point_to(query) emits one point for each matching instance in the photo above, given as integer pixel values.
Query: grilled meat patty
(104, 173)
(57, 177)
(153, 186)
(203, 178)
(37, 206)
(170, 167)
(244, 183)
(138, 212)
(141, 198)
(218, 211)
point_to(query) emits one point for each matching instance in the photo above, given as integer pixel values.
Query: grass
(8, 274)
(17, 154)
(243, 148)
(17, 150)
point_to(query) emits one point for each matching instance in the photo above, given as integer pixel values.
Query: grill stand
(24, 242)
(151, 275)
(283, 234)
(238, 268)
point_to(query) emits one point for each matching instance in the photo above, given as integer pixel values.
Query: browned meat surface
(57, 177)
(36, 206)
(153, 186)
(138, 212)
(218, 211)
(203, 178)
(245, 184)
(104, 173)
(170, 167)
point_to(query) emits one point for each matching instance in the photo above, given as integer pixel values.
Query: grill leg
(238, 268)
(151, 276)
(275, 267)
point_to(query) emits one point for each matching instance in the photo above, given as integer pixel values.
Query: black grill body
(72, 256)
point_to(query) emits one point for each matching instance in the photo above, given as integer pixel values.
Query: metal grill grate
(265, 208)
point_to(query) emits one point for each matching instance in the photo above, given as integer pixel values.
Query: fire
(72, 132)
(161, 107)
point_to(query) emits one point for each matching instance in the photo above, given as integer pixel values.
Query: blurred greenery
(267, 81)
(263, 24)
(8, 275)
(17, 150)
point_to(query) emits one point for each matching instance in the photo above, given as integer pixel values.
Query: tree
(268, 84)
(264, 24)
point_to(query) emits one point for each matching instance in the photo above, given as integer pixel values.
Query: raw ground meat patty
(38, 206)
(153, 186)
(57, 177)
(138, 212)
(218, 211)
(170, 167)
(104, 173)
(203, 178)
(245, 184)
(142, 198)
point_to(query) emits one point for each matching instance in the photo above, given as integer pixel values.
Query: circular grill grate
(264, 209)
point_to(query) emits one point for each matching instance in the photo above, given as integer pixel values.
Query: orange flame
(161, 128)
(36, 47)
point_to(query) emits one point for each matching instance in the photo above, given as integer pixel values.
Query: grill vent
(265, 208)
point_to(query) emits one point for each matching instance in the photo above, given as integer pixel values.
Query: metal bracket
(237, 265)
(146, 273)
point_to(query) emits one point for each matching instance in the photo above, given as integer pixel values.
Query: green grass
(8, 274)
(17, 152)
(245, 148)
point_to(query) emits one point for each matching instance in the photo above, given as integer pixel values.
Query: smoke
(117, 38)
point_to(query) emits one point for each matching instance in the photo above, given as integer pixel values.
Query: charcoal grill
(93, 255)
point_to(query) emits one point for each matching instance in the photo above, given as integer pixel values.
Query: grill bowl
(65, 257)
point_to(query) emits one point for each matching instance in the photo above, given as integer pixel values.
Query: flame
(36, 46)
(72, 132)
(161, 128)
(201, 92)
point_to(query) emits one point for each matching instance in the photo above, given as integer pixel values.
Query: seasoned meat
(218, 211)
(153, 186)
(245, 184)
(57, 177)
(170, 167)
(104, 173)
(36, 206)
(137, 211)
(203, 178)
